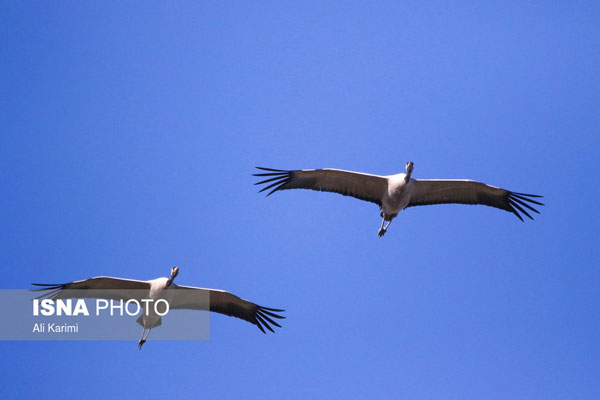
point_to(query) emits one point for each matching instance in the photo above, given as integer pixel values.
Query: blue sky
(130, 133)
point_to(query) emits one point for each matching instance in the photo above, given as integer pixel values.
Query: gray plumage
(394, 193)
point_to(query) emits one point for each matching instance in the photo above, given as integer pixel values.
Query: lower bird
(394, 193)
(178, 297)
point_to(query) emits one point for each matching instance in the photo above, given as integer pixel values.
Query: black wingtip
(518, 215)
(276, 180)
(527, 195)
(263, 318)
(46, 286)
(260, 327)
(271, 169)
(269, 180)
(272, 309)
(519, 203)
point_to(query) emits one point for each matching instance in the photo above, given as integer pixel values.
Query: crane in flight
(178, 297)
(393, 193)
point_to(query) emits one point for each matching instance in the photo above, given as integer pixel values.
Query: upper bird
(178, 297)
(394, 193)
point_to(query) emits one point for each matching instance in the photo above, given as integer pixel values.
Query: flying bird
(178, 297)
(394, 193)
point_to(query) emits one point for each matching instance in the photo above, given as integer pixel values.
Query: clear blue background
(129, 132)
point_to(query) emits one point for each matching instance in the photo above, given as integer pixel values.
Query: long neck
(407, 176)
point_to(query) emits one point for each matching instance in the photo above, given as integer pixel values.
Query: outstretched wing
(101, 287)
(222, 302)
(437, 191)
(361, 186)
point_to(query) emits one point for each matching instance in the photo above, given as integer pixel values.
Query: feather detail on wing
(101, 287)
(433, 191)
(366, 187)
(193, 298)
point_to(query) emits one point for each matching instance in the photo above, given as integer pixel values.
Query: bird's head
(409, 169)
(174, 272)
